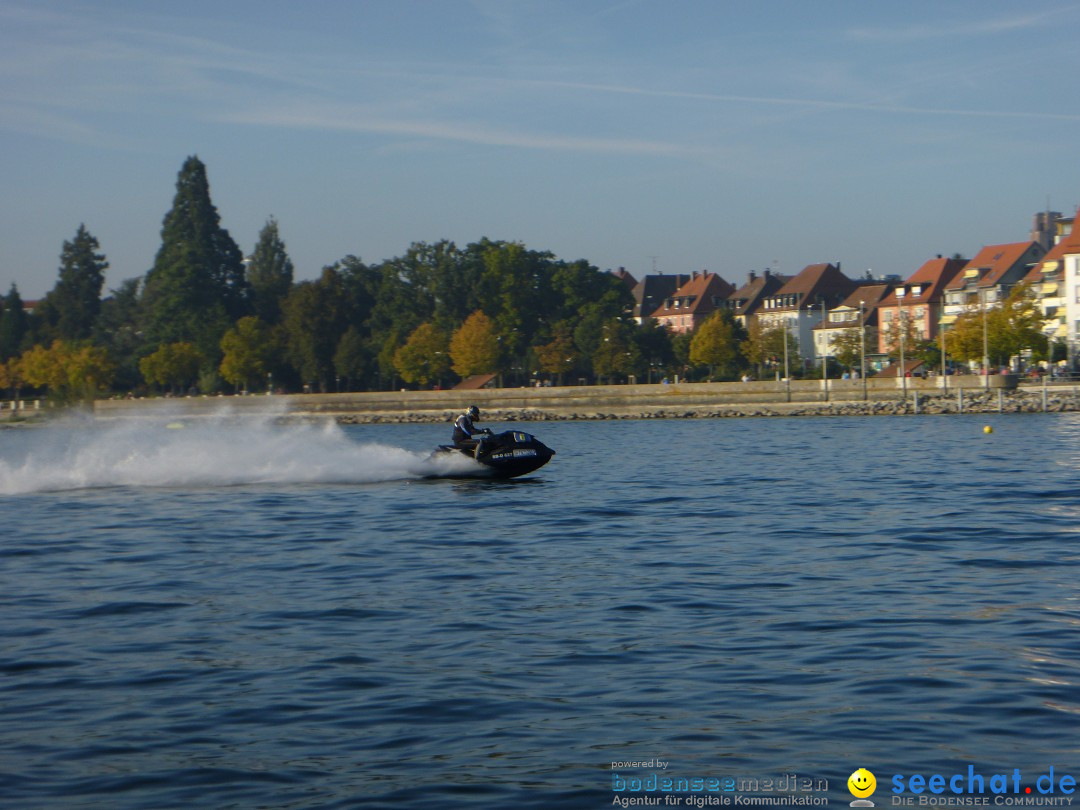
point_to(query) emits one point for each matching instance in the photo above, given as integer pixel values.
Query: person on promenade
(464, 430)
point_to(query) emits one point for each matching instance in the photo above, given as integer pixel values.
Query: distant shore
(1012, 402)
(682, 401)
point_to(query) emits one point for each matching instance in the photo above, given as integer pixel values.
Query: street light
(787, 371)
(900, 293)
(824, 352)
(944, 359)
(862, 346)
(986, 341)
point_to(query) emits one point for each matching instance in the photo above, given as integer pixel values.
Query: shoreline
(686, 401)
(923, 404)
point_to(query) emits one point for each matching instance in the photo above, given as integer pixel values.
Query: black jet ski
(505, 455)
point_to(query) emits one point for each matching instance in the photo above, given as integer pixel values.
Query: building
(1050, 288)
(1046, 228)
(860, 310)
(802, 301)
(987, 279)
(1060, 291)
(652, 291)
(915, 307)
(697, 299)
(624, 276)
(750, 297)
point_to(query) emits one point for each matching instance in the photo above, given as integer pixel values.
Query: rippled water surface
(255, 615)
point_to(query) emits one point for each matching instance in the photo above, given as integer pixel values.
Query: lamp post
(824, 352)
(862, 347)
(900, 293)
(986, 342)
(787, 372)
(944, 360)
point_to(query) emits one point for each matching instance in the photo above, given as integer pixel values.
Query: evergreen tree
(270, 274)
(196, 288)
(117, 331)
(13, 324)
(72, 306)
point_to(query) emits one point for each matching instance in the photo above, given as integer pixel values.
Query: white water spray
(172, 450)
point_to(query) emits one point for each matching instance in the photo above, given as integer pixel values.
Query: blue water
(248, 614)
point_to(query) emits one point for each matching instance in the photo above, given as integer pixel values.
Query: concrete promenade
(684, 400)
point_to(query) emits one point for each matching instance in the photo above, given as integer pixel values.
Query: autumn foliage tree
(716, 343)
(173, 365)
(474, 347)
(425, 356)
(246, 352)
(69, 371)
(1002, 332)
(559, 355)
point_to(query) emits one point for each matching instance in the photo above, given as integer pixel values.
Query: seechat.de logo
(862, 785)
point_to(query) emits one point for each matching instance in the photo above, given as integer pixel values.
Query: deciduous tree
(175, 365)
(425, 356)
(559, 356)
(69, 371)
(246, 352)
(716, 344)
(474, 347)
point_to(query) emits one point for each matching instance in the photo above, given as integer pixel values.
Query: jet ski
(503, 455)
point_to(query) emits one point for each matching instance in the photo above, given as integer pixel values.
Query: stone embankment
(680, 401)
(1007, 402)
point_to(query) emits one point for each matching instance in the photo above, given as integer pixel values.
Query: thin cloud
(815, 103)
(961, 29)
(352, 119)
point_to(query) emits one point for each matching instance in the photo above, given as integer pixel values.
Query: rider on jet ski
(464, 431)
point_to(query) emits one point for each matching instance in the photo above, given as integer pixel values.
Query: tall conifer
(196, 288)
(72, 306)
(13, 324)
(270, 274)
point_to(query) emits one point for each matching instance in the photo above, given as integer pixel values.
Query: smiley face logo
(861, 783)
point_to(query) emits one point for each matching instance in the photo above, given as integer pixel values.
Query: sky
(656, 135)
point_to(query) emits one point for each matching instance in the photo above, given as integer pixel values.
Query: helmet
(474, 412)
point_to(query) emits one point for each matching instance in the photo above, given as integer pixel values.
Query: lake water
(246, 614)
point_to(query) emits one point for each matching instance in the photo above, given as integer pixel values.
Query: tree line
(207, 319)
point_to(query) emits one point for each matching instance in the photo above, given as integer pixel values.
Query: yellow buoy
(988, 429)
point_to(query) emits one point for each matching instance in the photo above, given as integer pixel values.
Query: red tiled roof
(816, 281)
(757, 289)
(868, 296)
(701, 289)
(475, 382)
(992, 262)
(933, 277)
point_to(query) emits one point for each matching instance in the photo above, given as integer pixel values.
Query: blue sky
(676, 134)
